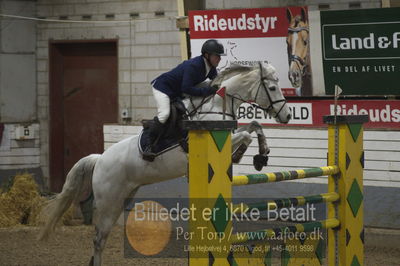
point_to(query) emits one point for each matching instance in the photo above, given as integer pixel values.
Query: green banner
(361, 51)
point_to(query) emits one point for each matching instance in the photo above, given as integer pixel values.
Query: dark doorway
(83, 97)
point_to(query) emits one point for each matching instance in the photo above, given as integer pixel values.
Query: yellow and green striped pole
(285, 203)
(345, 149)
(284, 175)
(210, 190)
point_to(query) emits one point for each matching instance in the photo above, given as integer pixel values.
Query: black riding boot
(155, 131)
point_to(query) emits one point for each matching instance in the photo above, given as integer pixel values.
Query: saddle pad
(163, 145)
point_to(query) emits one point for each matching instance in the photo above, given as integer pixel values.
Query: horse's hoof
(259, 161)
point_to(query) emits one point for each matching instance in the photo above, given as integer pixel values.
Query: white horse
(119, 172)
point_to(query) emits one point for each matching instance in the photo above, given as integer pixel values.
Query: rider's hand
(213, 89)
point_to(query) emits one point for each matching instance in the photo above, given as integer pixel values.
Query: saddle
(172, 135)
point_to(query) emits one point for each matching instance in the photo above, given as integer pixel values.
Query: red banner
(382, 113)
(239, 23)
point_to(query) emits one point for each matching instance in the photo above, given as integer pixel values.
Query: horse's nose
(289, 116)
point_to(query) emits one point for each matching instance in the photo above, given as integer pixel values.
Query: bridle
(271, 102)
(234, 97)
(301, 62)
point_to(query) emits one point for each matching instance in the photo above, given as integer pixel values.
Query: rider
(182, 79)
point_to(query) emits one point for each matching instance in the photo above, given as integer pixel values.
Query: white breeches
(163, 103)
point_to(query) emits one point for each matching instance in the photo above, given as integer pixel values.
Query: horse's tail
(54, 208)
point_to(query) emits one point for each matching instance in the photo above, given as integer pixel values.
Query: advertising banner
(361, 51)
(279, 36)
(382, 113)
(358, 50)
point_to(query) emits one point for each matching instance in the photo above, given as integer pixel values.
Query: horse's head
(268, 95)
(297, 46)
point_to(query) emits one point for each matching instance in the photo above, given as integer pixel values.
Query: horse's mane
(235, 69)
(231, 71)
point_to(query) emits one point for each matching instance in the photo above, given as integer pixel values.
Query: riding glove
(213, 89)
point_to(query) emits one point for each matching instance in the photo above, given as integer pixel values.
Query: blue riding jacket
(184, 77)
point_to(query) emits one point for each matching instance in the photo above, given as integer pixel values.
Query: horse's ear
(303, 14)
(289, 15)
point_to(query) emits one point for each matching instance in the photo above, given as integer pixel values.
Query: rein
(195, 108)
(204, 101)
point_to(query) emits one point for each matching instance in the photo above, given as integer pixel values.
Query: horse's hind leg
(107, 213)
(99, 242)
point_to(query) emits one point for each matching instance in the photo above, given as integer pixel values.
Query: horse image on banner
(298, 50)
(120, 171)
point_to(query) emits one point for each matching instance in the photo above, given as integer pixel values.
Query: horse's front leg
(260, 160)
(240, 143)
